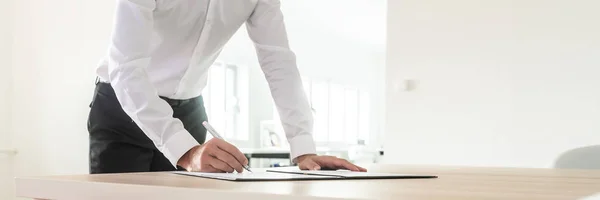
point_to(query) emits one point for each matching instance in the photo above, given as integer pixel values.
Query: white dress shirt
(165, 47)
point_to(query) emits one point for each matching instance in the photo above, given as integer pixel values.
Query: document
(287, 174)
(346, 174)
(255, 176)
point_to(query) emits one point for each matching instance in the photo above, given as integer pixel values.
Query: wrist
(301, 158)
(185, 158)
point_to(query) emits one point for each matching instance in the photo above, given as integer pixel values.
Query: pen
(214, 133)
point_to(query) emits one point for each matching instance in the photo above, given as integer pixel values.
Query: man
(147, 110)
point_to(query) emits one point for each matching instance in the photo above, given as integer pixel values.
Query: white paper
(341, 173)
(257, 176)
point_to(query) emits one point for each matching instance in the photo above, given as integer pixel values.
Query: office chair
(580, 158)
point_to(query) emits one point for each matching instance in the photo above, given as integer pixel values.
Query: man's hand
(314, 162)
(215, 155)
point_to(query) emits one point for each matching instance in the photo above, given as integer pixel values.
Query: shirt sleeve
(129, 55)
(267, 30)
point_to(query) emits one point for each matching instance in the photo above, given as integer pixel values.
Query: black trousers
(118, 145)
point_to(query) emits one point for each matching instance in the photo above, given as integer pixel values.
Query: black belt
(180, 102)
(108, 89)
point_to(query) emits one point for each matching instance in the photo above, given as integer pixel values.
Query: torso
(188, 37)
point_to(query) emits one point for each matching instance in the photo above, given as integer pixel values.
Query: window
(225, 101)
(341, 113)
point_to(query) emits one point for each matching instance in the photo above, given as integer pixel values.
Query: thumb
(309, 164)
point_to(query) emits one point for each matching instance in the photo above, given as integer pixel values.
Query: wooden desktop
(452, 183)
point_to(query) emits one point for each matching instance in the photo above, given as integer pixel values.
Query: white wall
(6, 30)
(500, 83)
(57, 46)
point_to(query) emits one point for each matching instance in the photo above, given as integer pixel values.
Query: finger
(234, 151)
(362, 169)
(343, 164)
(220, 165)
(309, 164)
(226, 158)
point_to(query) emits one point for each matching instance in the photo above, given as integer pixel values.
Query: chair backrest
(580, 158)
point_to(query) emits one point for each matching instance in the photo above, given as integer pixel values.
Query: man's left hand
(315, 162)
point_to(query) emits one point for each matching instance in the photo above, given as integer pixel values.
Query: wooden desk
(453, 183)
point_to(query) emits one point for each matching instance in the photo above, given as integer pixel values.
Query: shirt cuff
(302, 145)
(177, 145)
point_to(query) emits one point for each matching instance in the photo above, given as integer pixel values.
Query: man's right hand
(215, 155)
